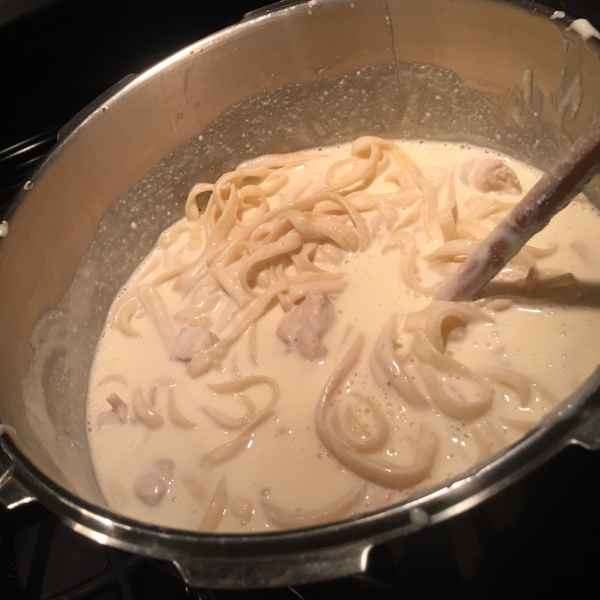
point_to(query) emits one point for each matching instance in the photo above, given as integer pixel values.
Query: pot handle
(84, 113)
(12, 492)
(587, 434)
(274, 571)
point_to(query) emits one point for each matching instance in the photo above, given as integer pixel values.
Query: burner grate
(42, 559)
(18, 162)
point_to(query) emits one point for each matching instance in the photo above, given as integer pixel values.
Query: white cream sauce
(555, 344)
(585, 29)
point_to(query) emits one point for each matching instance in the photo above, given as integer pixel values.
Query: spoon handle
(555, 189)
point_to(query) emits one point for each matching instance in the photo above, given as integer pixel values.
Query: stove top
(540, 537)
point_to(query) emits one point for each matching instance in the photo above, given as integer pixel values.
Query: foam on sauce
(551, 337)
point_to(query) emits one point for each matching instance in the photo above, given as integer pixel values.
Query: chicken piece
(303, 327)
(150, 488)
(490, 175)
(118, 414)
(189, 341)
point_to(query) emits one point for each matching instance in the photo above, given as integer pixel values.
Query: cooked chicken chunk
(303, 327)
(189, 341)
(151, 487)
(490, 175)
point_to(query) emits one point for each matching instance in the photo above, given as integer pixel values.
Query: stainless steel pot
(498, 73)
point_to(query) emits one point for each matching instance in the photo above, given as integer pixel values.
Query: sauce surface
(256, 433)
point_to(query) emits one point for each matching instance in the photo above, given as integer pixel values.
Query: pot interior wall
(475, 71)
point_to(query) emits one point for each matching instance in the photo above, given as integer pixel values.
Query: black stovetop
(539, 538)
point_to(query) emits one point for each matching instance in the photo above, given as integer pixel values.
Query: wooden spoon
(555, 189)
